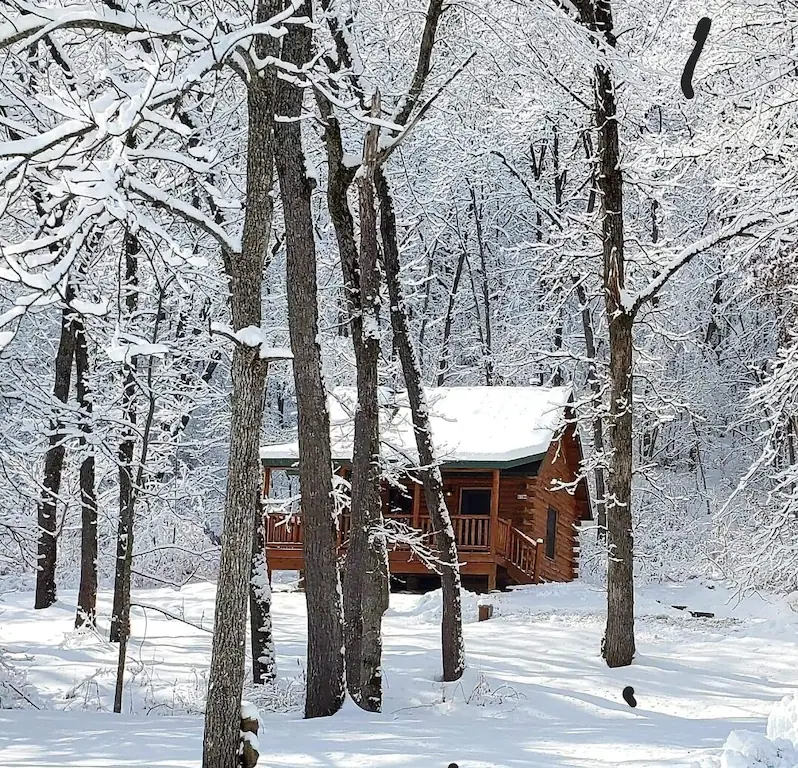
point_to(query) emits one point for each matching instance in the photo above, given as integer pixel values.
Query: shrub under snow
(779, 749)
(15, 690)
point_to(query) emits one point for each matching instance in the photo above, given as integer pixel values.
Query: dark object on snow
(452, 765)
(695, 614)
(485, 612)
(629, 696)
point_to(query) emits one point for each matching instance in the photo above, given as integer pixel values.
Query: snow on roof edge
(471, 425)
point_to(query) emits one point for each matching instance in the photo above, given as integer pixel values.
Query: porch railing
(471, 532)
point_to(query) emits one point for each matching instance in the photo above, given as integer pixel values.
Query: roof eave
(289, 462)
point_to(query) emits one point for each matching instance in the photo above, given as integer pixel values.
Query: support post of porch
(494, 511)
(267, 482)
(416, 504)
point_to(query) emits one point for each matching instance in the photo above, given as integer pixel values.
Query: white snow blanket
(536, 693)
(469, 424)
(779, 749)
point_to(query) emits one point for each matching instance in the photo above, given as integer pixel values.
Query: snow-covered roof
(471, 426)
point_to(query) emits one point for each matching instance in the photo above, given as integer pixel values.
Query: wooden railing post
(416, 504)
(494, 511)
(536, 570)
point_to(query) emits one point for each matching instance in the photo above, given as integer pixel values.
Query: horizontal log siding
(561, 463)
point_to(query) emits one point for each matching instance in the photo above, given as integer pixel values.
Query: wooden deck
(486, 544)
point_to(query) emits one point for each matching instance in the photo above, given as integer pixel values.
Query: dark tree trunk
(366, 576)
(365, 582)
(260, 605)
(124, 535)
(123, 617)
(487, 345)
(598, 422)
(453, 649)
(619, 641)
(242, 504)
(53, 466)
(443, 363)
(427, 296)
(242, 500)
(559, 190)
(87, 593)
(325, 656)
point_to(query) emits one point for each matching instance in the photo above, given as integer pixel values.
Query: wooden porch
(486, 544)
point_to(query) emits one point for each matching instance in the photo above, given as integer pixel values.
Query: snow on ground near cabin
(536, 693)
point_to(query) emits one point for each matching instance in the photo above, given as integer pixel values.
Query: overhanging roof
(472, 427)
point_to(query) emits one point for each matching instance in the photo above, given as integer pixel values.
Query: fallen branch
(170, 615)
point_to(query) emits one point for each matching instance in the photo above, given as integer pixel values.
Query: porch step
(517, 575)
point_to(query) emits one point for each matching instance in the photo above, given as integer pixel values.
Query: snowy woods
(212, 215)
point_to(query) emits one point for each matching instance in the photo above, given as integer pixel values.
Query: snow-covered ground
(536, 692)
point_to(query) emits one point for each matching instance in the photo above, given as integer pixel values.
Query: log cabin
(510, 459)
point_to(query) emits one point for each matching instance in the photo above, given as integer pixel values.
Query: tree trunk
(443, 363)
(135, 484)
(87, 593)
(53, 466)
(559, 190)
(598, 422)
(242, 501)
(260, 605)
(619, 642)
(124, 536)
(487, 351)
(365, 582)
(325, 654)
(453, 649)
(366, 576)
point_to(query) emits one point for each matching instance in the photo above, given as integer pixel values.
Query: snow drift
(778, 749)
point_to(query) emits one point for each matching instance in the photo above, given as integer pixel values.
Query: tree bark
(597, 420)
(137, 483)
(366, 577)
(260, 604)
(124, 535)
(443, 363)
(325, 654)
(619, 641)
(242, 501)
(53, 467)
(453, 649)
(366, 581)
(487, 352)
(87, 592)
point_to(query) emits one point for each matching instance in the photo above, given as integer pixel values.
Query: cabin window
(551, 533)
(475, 501)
